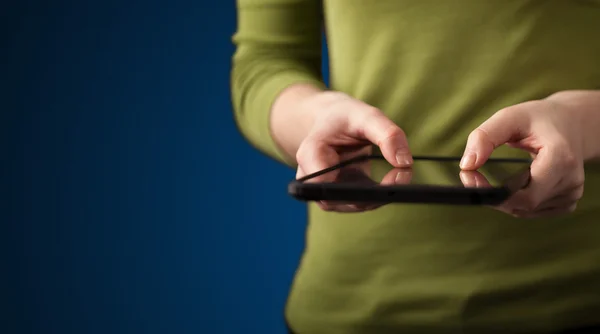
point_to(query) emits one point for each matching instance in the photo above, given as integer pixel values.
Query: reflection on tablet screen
(443, 172)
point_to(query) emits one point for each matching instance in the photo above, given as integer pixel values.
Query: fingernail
(404, 159)
(402, 177)
(468, 160)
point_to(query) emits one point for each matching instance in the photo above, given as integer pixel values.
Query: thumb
(506, 125)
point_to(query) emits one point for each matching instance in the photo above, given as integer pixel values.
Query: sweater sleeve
(278, 44)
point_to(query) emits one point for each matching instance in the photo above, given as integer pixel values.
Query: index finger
(314, 156)
(381, 131)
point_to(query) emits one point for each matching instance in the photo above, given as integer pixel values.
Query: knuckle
(512, 111)
(579, 181)
(371, 111)
(329, 117)
(576, 194)
(392, 131)
(569, 160)
(572, 197)
(299, 157)
(374, 118)
(565, 157)
(478, 135)
(303, 152)
(370, 114)
(505, 111)
(329, 98)
(333, 94)
(580, 191)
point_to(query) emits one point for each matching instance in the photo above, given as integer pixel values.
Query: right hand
(344, 127)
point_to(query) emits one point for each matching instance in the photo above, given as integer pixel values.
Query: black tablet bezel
(411, 193)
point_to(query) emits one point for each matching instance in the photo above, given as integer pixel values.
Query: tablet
(431, 180)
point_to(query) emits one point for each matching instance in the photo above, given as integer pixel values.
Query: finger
(507, 125)
(341, 207)
(397, 176)
(563, 200)
(573, 179)
(524, 147)
(374, 126)
(546, 213)
(551, 206)
(325, 206)
(299, 173)
(473, 179)
(351, 152)
(548, 171)
(315, 155)
(352, 208)
(347, 207)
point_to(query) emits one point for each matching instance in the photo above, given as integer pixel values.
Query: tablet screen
(426, 171)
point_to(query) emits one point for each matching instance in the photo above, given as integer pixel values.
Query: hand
(345, 127)
(552, 132)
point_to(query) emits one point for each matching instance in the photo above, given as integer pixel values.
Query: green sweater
(438, 69)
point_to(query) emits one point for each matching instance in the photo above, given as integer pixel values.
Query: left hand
(551, 131)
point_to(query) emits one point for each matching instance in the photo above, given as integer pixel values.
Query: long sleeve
(278, 44)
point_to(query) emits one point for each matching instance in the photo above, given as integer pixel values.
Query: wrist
(292, 119)
(584, 107)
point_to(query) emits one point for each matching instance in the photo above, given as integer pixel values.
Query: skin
(560, 133)
(321, 128)
(318, 129)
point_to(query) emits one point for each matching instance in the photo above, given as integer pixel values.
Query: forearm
(266, 96)
(276, 62)
(585, 106)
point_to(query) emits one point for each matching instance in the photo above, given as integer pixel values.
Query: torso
(438, 69)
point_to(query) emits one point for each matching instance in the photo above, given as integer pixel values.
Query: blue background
(134, 205)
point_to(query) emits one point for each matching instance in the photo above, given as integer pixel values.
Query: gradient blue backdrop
(134, 206)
